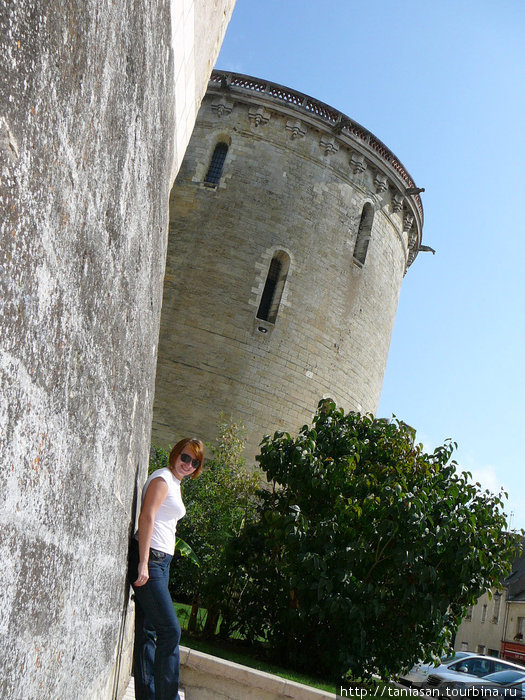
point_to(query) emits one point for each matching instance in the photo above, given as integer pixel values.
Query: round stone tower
(291, 228)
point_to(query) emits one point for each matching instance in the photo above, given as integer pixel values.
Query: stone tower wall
(97, 100)
(296, 182)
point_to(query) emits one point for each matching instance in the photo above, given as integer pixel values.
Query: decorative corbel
(297, 128)
(358, 163)
(408, 220)
(222, 108)
(380, 183)
(397, 202)
(411, 258)
(259, 116)
(328, 145)
(412, 243)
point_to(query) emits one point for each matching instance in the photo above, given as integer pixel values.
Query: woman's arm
(155, 495)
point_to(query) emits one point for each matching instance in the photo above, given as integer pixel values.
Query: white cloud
(487, 477)
(514, 506)
(428, 446)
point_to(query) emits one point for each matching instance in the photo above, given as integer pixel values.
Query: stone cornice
(344, 128)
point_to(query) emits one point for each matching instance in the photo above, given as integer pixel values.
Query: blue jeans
(157, 631)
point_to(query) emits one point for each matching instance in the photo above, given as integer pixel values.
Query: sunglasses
(186, 458)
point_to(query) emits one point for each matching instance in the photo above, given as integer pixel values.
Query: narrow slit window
(216, 164)
(364, 233)
(497, 606)
(520, 628)
(273, 288)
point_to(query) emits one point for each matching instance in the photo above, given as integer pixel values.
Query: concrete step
(130, 692)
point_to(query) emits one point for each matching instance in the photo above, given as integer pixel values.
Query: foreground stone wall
(296, 179)
(89, 143)
(198, 30)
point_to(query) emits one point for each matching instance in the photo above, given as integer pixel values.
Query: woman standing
(157, 630)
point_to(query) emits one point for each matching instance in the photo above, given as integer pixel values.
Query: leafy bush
(158, 458)
(366, 550)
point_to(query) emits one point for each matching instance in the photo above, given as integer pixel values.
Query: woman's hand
(143, 574)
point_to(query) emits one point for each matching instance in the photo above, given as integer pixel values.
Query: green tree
(367, 549)
(218, 504)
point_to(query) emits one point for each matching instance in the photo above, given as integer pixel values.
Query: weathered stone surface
(88, 135)
(199, 27)
(289, 183)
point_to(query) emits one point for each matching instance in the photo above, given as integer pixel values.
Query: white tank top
(171, 510)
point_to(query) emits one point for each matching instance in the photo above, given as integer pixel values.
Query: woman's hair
(198, 448)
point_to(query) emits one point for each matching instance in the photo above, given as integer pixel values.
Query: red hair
(197, 447)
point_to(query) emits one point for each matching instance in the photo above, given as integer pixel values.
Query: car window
(507, 676)
(457, 666)
(474, 667)
(483, 667)
(502, 666)
(453, 657)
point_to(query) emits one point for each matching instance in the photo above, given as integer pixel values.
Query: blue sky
(442, 83)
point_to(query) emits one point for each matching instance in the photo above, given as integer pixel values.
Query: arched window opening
(484, 613)
(274, 287)
(497, 606)
(363, 234)
(216, 164)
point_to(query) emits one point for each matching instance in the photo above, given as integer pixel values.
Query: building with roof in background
(291, 229)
